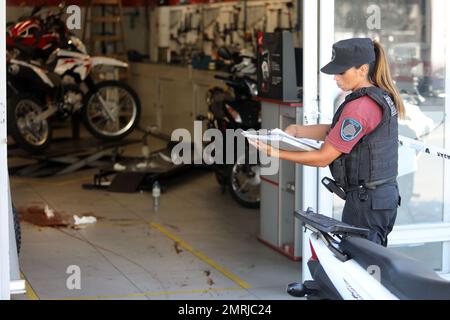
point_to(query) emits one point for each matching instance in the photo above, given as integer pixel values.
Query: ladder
(99, 15)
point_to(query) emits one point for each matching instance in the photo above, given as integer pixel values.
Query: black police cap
(350, 53)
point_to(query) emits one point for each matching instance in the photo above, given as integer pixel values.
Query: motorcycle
(110, 109)
(345, 265)
(235, 109)
(35, 38)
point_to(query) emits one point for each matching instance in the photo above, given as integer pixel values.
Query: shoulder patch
(350, 129)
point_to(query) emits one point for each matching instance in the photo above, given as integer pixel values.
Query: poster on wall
(276, 66)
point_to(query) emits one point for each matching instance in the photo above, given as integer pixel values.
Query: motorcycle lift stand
(69, 155)
(134, 174)
(117, 173)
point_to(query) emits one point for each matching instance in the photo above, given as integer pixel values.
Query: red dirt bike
(36, 37)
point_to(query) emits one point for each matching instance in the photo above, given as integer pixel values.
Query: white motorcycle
(345, 265)
(110, 109)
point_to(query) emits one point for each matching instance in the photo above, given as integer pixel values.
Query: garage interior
(199, 243)
(106, 209)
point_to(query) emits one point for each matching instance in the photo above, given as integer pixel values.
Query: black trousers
(374, 209)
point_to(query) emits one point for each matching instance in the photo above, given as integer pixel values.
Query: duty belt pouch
(338, 171)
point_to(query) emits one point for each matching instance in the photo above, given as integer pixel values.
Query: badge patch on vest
(350, 129)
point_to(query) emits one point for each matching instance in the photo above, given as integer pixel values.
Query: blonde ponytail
(382, 78)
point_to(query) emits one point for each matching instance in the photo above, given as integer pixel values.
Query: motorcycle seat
(405, 277)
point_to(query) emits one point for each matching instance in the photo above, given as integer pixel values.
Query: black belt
(370, 185)
(333, 187)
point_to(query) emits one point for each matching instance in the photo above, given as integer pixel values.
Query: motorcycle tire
(93, 104)
(238, 196)
(18, 122)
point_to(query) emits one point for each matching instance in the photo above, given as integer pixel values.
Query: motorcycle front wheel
(112, 111)
(28, 133)
(244, 184)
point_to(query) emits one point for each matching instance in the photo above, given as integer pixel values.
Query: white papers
(50, 213)
(84, 220)
(283, 141)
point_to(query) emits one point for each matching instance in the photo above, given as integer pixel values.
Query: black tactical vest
(374, 159)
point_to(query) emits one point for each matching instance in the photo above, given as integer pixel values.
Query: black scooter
(234, 108)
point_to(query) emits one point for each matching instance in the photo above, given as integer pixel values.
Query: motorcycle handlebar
(222, 78)
(228, 80)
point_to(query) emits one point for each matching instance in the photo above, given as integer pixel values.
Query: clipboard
(281, 140)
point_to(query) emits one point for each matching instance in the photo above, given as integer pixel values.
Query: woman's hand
(317, 158)
(271, 152)
(292, 130)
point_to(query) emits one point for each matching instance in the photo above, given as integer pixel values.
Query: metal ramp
(69, 155)
(138, 173)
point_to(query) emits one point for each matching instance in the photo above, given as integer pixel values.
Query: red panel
(278, 102)
(184, 2)
(31, 3)
(181, 2)
(289, 254)
(127, 3)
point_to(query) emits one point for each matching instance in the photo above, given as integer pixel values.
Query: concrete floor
(199, 245)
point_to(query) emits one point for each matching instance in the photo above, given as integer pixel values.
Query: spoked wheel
(244, 183)
(29, 133)
(113, 111)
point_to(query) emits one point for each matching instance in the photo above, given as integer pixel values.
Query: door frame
(4, 190)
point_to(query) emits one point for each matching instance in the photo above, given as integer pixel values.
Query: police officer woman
(361, 144)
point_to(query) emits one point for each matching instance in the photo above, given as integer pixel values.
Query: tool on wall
(280, 14)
